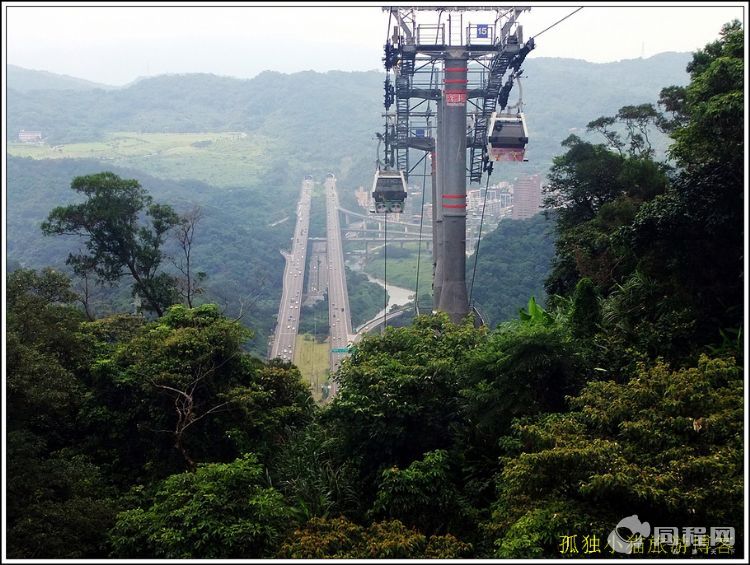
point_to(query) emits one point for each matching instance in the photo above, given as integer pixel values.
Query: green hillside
(513, 262)
(329, 119)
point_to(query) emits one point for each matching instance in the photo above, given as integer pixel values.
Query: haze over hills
(296, 124)
(25, 80)
(330, 115)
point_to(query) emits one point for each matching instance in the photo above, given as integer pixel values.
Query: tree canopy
(118, 238)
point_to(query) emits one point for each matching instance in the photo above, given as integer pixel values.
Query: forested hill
(25, 80)
(327, 115)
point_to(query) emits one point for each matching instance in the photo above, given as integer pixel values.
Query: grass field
(219, 159)
(312, 360)
(402, 271)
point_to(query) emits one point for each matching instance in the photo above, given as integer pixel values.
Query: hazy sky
(116, 42)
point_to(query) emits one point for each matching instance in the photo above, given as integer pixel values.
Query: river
(397, 296)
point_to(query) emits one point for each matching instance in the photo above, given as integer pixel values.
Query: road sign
(340, 350)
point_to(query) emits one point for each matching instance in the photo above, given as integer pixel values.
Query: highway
(339, 315)
(287, 320)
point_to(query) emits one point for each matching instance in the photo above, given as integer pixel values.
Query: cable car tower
(467, 63)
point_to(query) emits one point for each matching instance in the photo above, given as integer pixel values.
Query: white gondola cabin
(507, 137)
(389, 191)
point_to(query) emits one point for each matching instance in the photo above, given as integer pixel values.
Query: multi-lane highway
(287, 320)
(338, 298)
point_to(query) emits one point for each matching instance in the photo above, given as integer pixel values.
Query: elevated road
(287, 319)
(339, 316)
(378, 321)
(400, 223)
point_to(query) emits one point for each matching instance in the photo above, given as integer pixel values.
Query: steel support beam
(437, 211)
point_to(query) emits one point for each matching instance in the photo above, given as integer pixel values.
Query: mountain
(316, 122)
(26, 80)
(562, 95)
(332, 114)
(237, 241)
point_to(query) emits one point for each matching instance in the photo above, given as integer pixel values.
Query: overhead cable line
(479, 238)
(557, 22)
(385, 270)
(419, 245)
(424, 189)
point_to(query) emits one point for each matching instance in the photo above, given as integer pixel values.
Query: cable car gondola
(507, 137)
(389, 191)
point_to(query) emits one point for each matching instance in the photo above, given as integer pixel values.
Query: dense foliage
(513, 262)
(136, 438)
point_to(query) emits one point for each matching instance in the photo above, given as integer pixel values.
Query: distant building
(474, 200)
(363, 197)
(29, 136)
(505, 197)
(527, 197)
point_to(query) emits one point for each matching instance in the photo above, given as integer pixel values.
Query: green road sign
(340, 350)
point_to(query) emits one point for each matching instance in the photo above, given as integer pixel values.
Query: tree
(397, 393)
(423, 495)
(339, 538)
(188, 285)
(666, 445)
(118, 240)
(585, 315)
(638, 120)
(58, 500)
(520, 370)
(59, 504)
(710, 105)
(594, 192)
(180, 390)
(311, 472)
(222, 510)
(690, 239)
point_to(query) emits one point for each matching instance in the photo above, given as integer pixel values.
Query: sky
(115, 43)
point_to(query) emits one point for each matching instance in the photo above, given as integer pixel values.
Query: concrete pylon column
(453, 296)
(437, 212)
